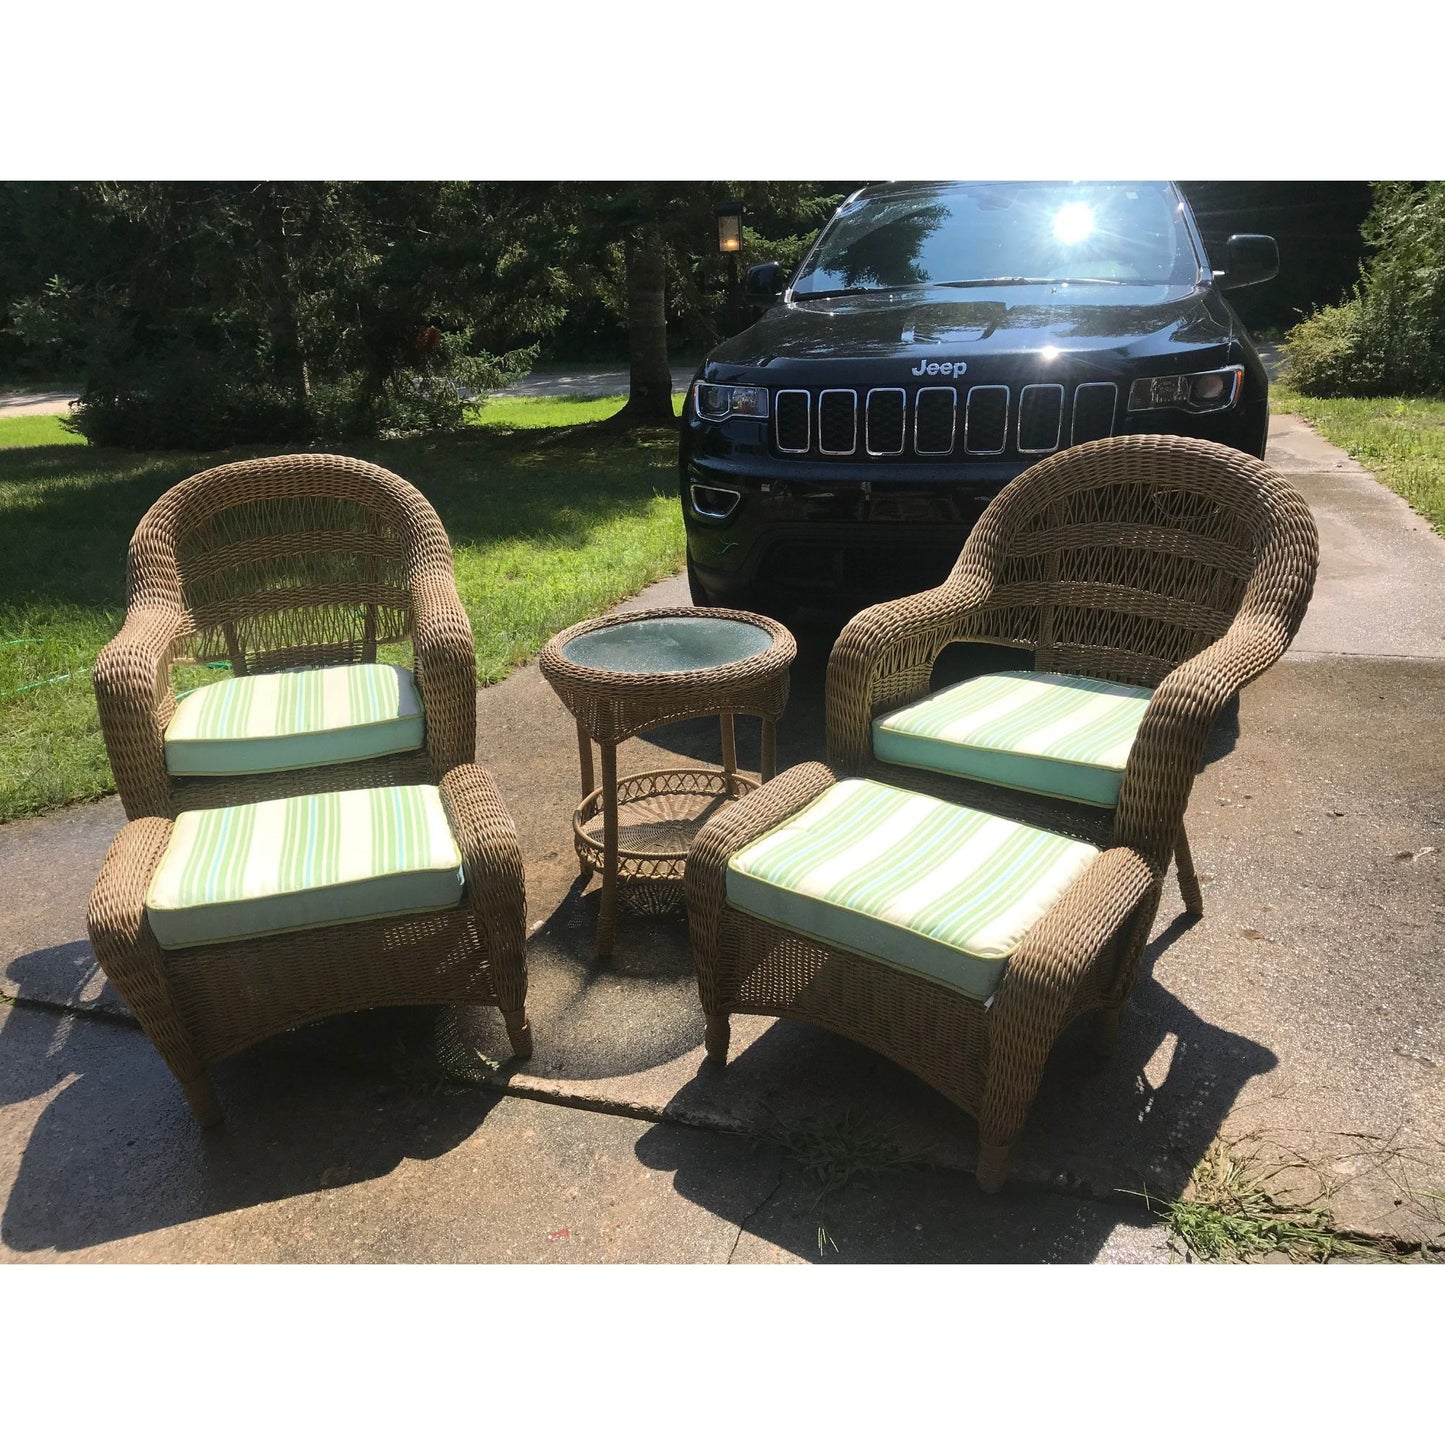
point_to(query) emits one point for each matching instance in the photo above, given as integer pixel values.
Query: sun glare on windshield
(1074, 223)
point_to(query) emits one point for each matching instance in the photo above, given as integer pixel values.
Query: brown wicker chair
(275, 564)
(1173, 564)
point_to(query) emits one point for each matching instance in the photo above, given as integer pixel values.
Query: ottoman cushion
(271, 867)
(929, 887)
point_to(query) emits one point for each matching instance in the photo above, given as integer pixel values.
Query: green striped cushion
(276, 721)
(926, 886)
(1043, 732)
(271, 867)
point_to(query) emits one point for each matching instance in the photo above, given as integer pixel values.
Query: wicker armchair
(272, 565)
(1171, 564)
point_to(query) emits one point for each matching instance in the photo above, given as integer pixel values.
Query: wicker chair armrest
(446, 670)
(1073, 934)
(132, 679)
(884, 659)
(492, 862)
(1176, 725)
(115, 917)
(732, 829)
(1054, 970)
(125, 946)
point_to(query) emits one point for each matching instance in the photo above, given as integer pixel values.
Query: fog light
(714, 503)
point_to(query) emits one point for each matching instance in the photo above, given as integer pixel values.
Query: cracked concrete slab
(321, 1163)
(1303, 1013)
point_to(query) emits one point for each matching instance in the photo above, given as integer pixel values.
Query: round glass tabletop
(667, 644)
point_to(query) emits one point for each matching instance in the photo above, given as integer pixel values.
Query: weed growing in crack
(834, 1152)
(1233, 1214)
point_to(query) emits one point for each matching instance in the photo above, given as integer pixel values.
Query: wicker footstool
(228, 925)
(620, 676)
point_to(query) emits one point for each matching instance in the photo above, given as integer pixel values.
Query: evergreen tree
(216, 313)
(664, 233)
(209, 314)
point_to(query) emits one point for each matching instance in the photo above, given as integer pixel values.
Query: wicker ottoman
(226, 926)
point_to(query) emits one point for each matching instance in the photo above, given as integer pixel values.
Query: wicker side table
(620, 676)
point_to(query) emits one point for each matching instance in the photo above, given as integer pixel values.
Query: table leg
(589, 780)
(607, 911)
(729, 750)
(584, 759)
(770, 749)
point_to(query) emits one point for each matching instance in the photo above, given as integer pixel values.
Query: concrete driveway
(35, 403)
(584, 381)
(1302, 1019)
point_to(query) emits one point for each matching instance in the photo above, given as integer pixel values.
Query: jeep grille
(985, 421)
(1041, 419)
(837, 423)
(935, 411)
(988, 420)
(1094, 404)
(883, 429)
(792, 408)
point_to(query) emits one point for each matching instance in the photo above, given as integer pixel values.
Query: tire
(700, 595)
(753, 600)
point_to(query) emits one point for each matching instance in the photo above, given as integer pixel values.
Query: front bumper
(803, 528)
(818, 538)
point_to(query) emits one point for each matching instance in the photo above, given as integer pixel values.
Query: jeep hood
(977, 322)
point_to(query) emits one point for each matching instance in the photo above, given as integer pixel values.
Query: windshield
(975, 233)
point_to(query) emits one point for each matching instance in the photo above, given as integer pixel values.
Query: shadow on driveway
(114, 1153)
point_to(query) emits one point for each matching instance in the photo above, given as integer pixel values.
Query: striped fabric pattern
(908, 879)
(1080, 728)
(292, 862)
(273, 721)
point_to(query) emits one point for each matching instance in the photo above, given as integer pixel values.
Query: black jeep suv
(938, 338)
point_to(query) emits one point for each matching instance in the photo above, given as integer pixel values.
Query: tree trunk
(279, 290)
(649, 400)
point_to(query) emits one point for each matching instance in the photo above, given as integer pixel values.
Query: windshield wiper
(1036, 281)
(850, 291)
(956, 285)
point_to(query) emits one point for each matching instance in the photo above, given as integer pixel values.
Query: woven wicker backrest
(288, 561)
(1121, 558)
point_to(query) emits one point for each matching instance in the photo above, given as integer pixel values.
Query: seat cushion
(930, 887)
(1042, 732)
(276, 721)
(329, 858)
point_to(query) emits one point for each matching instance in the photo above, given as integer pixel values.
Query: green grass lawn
(550, 521)
(1400, 439)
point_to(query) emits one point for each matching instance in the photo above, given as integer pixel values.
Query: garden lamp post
(729, 216)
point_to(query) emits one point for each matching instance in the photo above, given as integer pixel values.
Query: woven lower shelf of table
(658, 815)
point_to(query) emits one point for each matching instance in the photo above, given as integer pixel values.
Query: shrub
(1388, 339)
(192, 400)
(188, 402)
(1325, 353)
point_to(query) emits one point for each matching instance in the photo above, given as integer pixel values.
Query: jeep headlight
(713, 402)
(1193, 391)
